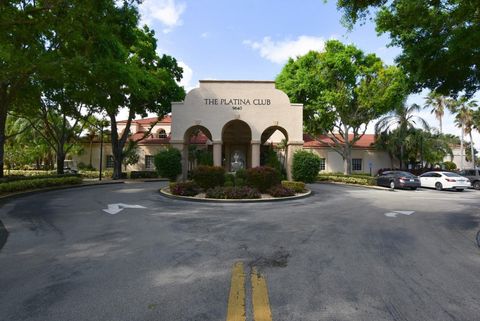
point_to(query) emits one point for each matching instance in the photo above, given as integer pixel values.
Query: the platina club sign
(237, 103)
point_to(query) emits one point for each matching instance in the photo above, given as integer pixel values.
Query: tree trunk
(347, 153)
(3, 122)
(116, 149)
(440, 121)
(401, 156)
(91, 149)
(472, 149)
(60, 159)
(461, 148)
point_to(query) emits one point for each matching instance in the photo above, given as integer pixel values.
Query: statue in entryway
(237, 163)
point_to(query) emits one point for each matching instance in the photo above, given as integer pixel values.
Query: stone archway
(197, 140)
(274, 138)
(236, 145)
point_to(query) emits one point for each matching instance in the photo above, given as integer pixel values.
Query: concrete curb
(166, 194)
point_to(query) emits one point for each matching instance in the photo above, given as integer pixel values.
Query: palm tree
(404, 119)
(437, 103)
(464, 119)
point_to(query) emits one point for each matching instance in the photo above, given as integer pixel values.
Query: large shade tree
(440, 40)
(342, 90)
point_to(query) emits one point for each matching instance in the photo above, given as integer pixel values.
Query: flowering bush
(184, 189)
(297, 187)
(244, 192)
(262, 178)
(280, 191)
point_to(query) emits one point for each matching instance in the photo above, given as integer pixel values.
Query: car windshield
(406, 174)
(451, 175)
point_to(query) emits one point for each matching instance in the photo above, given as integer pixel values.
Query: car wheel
(438, 186)
(392, 185)
(414, 188)
(476, 185)
(460, 189)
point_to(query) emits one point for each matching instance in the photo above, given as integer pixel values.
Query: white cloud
(205, 35)
(279, 51)
(168, 12)
(187, 76)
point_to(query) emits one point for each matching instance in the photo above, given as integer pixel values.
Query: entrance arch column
(255, 153)
(217, 153)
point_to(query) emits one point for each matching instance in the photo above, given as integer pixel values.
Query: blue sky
(252, 39)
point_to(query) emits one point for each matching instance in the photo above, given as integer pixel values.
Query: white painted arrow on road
(395, 213)
(117, 208)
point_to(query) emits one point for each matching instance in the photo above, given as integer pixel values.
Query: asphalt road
(345, 253)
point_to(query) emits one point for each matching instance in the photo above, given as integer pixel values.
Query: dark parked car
(473, 175)
(398, 179)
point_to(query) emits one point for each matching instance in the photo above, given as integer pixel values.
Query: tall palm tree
(437, 102)
(403, 118)
(464, 118)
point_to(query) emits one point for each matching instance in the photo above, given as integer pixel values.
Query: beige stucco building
(235, 121)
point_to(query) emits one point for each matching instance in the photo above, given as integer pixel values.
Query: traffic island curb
(358, 185)
(165, 193)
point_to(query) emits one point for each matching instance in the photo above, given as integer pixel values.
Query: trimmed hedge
(19, 172)
(184, 188)
(168, 163)
(31, 184)
(96, 174)
(297, 187)
(143, 174)
(208, 176)
(262, 178)
(305, 166)
(244, 192)
(7, 179)
(349, 179)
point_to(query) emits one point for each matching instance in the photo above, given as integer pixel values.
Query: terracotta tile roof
(324, 141)
(200, 139)
(147, 121)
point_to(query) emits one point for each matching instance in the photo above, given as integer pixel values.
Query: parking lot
(124, 252)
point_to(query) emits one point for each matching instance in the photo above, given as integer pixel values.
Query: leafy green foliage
(342, 90)
(208, 176)
(168, 163)
(262, 178)
(439, 39)
(305, 166)
(449, 166)
(297, 187)
(31, 184)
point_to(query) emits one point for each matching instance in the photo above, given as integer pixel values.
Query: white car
(444, 180)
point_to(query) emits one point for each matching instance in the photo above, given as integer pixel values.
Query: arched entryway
(274, 142)
(199, 149)
(236, 145)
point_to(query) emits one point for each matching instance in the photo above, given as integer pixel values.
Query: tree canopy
(342, 90)
(440, 40)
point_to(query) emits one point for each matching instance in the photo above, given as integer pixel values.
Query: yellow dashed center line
(261, 304)
(236, 299)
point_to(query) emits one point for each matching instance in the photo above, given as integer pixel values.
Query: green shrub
(244, 192)
(239, 182)
(168, 163)
(298, 187)
(281, 191)
(24, 185)
(305, 166)
(204, 157)
(271, 160)
(450, 166)
(18, 172)
(241, 173)
(15, 178)
(143, 174)
(96, 174)
(229, 177)
(229, 184)
(184, 188)
(262, 178)
(349, 179)
(208, 176)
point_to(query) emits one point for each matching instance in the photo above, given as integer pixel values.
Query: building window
(162, 133)
(356, 164)
(322, 164)
(149, 162)
(109, 161)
